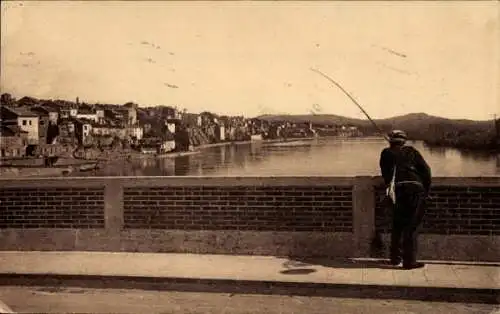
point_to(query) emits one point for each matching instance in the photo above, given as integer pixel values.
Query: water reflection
(436, 150)
(483, 156)
(331, 157)
(181, 165)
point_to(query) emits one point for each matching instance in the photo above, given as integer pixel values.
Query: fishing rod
(377, 244)
(353, 100)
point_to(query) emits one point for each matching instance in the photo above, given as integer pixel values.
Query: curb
(4, 308)
(454, 295)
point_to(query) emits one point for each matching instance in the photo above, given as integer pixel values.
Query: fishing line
(353, 100)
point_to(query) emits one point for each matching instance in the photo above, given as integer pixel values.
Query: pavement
(29, 299)
(347, 278)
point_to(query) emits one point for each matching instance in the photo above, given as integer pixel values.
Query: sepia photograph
(250, 157)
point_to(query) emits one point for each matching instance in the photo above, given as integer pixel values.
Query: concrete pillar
(363, 196)
(113, 206)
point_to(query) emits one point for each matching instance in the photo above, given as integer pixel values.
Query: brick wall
(259, 208)
(305, 216)
(58, 207)
(458, 210)
(11, 141)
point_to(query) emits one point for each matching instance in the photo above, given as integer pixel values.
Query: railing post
(113, 206)
(363, 196)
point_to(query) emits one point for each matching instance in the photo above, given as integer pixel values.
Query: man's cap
(397, 136)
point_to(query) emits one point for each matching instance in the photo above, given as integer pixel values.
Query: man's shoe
(413, 265)
(395, 262)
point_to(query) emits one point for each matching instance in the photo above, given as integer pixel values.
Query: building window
(42, 122)
(24, 122)
(29, 122)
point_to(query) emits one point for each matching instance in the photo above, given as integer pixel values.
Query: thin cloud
(399, 54)
(396, 69)
(171, 85)
(316, 108)
(147, 43)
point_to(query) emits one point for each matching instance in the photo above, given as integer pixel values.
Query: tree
(116, 142)
(28, 101)
(7, 99)
(131, 105)
(52, 132)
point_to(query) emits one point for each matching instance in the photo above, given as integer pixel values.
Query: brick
(455, 210)
(277, 208)
(61, 207)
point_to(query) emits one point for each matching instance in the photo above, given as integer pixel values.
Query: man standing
(408, 176)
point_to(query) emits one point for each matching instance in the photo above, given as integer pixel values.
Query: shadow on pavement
(337, 263)
(370, 263)
(298, 271)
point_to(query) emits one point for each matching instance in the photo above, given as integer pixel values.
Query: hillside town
(53, 128)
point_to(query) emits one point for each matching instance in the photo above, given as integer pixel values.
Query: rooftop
(86, 111)
(108, 123)
(21, 111)
(106, 126)
(10, 130)
(83, 121)
(40, 110)
(51, 107)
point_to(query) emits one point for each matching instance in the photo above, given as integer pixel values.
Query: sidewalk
(257, 271)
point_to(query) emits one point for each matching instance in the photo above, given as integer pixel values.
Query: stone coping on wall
(234, 180)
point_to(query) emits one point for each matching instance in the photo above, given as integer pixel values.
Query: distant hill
(423, 118)
(410, 122)
(436, 131)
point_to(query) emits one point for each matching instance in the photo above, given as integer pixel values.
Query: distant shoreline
(489, 149)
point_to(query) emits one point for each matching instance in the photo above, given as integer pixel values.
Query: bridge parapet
(311, 216)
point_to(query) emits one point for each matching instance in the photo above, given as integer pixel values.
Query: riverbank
(490, 148)
(33, 167)
(200, 148)
(263, 141)
(13, 172)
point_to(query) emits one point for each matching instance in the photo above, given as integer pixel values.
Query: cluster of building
(32, 127)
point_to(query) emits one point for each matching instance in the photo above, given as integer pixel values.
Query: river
(321, 157)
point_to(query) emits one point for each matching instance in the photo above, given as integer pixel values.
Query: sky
(252, 58)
